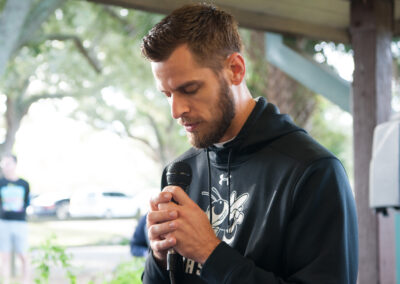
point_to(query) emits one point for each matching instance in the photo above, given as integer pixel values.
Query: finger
(178, 195)
(162, 197)
(158, 230)
(163, 245)
(170, 206)
(156, 217)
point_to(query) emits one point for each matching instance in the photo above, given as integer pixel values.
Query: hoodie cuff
(220, 263)
(152, 272)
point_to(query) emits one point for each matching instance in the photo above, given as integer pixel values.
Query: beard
(224, 111)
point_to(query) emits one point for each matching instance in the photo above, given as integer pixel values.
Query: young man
(267, 203)
(14, 197)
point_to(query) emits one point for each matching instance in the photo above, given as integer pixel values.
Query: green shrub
(129, 272)
(48, 254)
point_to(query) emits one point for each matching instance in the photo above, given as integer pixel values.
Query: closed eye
(190, 88)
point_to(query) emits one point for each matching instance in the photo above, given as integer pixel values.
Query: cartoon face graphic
(220, 211)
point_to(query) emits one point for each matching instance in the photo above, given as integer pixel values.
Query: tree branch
(32, 99)
(78, 43)
(128, 27)
(36, 17)
(161, 148)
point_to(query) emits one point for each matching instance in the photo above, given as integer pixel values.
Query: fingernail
(172, 225)
(173, 214)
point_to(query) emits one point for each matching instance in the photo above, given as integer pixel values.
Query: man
(267, 203)
(14, 197)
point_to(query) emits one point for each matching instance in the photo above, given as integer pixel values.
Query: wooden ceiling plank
(155, 6)
(295, 12)
(259, 21)
(273, 23)
(326, 6)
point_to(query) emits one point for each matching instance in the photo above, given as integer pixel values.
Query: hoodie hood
(264, 125)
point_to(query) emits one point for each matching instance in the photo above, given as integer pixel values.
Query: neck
(12, 177)
(244, 105)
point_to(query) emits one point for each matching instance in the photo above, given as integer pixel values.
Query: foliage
(91, 53)
(48, 255)
(129, 272)
(326, 127)
(124, 99)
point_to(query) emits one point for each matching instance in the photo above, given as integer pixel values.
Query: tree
(128, 103)
(84, 51)
(22, 40)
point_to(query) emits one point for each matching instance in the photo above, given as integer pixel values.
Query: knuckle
(159, 246)
(153, 230)
(174, 189)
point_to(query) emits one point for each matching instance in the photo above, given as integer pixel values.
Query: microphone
(179, 174)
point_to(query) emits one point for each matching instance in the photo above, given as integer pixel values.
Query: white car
(49, 204)
(102, 204)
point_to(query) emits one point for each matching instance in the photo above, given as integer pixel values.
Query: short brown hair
(210, 33)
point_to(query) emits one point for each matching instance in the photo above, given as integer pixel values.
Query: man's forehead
(170, 74)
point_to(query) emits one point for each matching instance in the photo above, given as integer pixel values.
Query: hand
(159, 226)
(191, 232)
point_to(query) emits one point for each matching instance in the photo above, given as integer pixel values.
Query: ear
(236, 68)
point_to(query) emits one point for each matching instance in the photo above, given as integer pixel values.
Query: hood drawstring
(209, 185)
(229, 189)
(229, 186)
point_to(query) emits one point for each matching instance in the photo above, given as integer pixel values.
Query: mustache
(187, 120)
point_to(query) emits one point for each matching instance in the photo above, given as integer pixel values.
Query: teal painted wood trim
(397, 237)
(311, 74)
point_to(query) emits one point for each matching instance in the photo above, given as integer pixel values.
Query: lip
(190, 127)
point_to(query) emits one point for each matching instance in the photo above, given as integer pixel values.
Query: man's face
(200, 100)
(8, 166)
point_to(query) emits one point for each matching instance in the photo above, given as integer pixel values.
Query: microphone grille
(179, 174)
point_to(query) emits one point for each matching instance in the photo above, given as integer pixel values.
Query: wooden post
(371, 36)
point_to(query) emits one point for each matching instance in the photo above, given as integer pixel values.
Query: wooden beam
(371, 36)
(308, 72)
(272, 23)
(258, 20)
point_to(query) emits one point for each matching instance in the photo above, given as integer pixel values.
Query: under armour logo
(223, 179)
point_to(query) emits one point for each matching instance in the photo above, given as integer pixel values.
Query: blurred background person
(14, 199)
(140, 242)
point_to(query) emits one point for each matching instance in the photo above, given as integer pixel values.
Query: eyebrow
(182, 87)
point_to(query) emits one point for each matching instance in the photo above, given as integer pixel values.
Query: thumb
(178, 194)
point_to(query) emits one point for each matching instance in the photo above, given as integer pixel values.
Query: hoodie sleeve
(320, 243)
(153, 274)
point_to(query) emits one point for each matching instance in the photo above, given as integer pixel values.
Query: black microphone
(179, 174)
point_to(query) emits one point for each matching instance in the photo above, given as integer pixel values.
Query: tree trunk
(289, 95)
(12, 21)
(14, 115)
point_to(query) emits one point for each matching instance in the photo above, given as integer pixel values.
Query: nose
(179, 105)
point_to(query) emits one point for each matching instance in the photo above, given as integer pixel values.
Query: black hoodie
(292, 216)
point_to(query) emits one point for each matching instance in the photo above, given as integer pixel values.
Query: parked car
(50, 204)
(102, 204)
